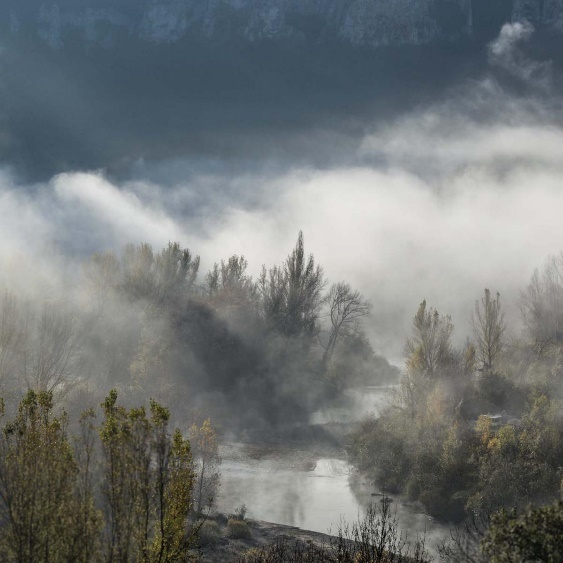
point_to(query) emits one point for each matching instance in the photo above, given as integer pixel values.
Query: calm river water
(316, 499)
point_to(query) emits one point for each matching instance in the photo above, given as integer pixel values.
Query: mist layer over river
(316, 495)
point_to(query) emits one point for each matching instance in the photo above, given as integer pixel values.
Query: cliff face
(543, 12)
(372, 23)
(357, 22)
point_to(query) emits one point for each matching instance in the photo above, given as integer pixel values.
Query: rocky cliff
(543, 12)
(357, 22)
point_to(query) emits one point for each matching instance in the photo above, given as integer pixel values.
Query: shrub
(530, 535)
(285, 549)
(238, 529)
(209, 533)
(239, 513)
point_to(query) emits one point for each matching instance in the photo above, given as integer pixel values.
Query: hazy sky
(448, 199)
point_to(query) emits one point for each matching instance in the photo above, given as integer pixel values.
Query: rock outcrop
(358, 22)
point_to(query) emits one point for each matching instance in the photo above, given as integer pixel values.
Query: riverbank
(301, 456)
(228, 549)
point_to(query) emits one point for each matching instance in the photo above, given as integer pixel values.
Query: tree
(531, 535)
(45, 519)
(88, 518)
(376, 538)
(138, 271)
(228, 285)
(164, 278)
(429, 348)
(12, 335)
(175, 271)
(150, 368)
(101, 272)
(346, 310)
(173, 484)
(148, 482)
(207, 460)
(51, 358)
(464, 544)
(541, 303)
(292, 293)
(488, 329)
(126, 480)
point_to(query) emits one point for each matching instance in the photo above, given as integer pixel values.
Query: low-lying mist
(441, 202)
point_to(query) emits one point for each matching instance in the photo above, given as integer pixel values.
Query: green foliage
(51, 508)
(436, 444)
(378, 449)
(148, 480)
(207, 461)
(496, 389)
(46, 501)
(429, 349)
(531, 535)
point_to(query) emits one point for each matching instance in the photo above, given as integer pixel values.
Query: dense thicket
(117, 493)
(473, 430)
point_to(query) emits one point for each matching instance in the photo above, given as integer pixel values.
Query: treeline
(250, 352)
(125, 489)
(475, 429)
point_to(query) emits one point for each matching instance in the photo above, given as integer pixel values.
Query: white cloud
(121, 211)
(505, 53)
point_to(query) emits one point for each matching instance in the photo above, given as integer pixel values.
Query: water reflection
(313, 500)
(317, 500)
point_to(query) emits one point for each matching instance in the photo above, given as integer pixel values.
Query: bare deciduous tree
(52, 352)
(541, 303)
(346, 310)
(102, 275)
(464, 544)
(488, 329)
(11, 335)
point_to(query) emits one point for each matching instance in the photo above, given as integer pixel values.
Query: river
(318, 496)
